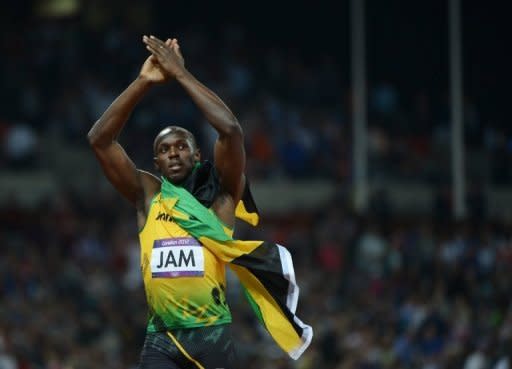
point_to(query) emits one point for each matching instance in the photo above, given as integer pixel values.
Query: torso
(184, 281)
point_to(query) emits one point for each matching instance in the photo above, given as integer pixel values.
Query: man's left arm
(229, 155)
(229, 152)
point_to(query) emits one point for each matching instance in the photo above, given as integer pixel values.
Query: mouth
(175, 168)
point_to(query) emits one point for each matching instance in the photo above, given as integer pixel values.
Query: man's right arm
(120, 170)
(117, 166)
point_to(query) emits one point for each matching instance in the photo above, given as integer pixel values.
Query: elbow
(234, 130)
(96, 139)
(92, 138)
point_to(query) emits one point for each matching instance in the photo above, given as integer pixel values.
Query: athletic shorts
(189, 348)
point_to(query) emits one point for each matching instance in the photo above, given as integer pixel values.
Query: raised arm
(229, 155)
(120, 170)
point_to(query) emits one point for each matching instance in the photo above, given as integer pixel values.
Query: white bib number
(177, 257)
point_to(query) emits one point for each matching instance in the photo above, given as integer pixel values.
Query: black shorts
(189, 348)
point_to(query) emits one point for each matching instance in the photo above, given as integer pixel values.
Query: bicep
(229, 158)
(121, 171)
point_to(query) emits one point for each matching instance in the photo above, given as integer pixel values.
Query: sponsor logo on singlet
(165, 217)
(177, 257)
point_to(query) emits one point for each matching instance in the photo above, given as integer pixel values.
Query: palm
(152, 70)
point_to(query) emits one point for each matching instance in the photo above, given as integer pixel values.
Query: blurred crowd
(295, 107)
(380, 291)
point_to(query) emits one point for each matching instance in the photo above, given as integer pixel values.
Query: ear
(197, 155)
(155, 163)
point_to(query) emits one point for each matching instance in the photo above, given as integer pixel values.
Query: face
(175, 156)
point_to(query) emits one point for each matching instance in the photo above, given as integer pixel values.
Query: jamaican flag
(265, 269)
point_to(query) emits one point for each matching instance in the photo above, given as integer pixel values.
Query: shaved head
(174, 130)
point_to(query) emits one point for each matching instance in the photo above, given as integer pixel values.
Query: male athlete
(189, 319)
(186, 220)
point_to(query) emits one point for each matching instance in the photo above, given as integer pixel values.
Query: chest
(177, 257)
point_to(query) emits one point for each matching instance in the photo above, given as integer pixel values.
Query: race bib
(177, 257)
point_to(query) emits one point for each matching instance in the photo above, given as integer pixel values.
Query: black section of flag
(248, 200)
(264, 262)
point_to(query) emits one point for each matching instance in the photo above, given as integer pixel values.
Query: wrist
(143, 81)
(183, 75)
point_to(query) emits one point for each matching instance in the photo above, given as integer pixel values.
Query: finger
(157, 40)
(153, 37)
(177, 49)
(160, 47)
(168, 42)
(151, 41)
(155, 51)
(147, 39)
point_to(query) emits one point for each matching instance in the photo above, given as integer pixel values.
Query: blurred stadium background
(378, 147)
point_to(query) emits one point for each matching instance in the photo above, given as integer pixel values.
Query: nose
(173, 152)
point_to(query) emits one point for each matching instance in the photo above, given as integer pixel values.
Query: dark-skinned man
(186, 219)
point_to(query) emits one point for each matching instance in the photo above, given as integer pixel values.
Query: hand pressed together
(167, 55)
(153, 71)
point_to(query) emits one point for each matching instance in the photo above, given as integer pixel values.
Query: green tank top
(184, 282)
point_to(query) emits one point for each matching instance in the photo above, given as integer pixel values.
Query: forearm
(109, 126)
(212, 107)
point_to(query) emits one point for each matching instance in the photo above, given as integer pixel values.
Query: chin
(180, 176)
(176, 178)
